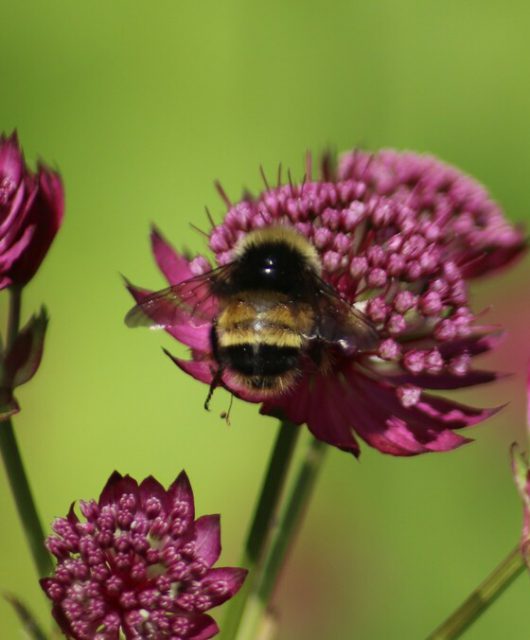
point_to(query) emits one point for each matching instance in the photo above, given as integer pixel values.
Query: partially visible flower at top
(140, 566)
(21, 361)
(31, 212)
(398, 235)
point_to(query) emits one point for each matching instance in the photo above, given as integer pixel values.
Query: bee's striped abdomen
(261, 342)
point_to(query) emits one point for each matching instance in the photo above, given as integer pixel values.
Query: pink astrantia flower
(397, 235)
(139, 566)
(31, 212)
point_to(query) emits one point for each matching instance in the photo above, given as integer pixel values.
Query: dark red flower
(140, 566)
(31, 212)
(397, 235)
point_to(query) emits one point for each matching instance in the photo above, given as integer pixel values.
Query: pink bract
(399, 235)
(140, 566)
(31, 212)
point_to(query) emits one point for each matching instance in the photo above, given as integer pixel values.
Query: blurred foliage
(141, 106)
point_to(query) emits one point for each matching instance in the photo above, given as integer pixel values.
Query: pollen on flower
(399, 236)
(140, 566)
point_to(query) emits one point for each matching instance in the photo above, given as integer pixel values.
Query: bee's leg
(225, 415)
(216, 381)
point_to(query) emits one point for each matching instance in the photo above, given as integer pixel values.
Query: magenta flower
(140, 566)
(397, 235)
(31, 212)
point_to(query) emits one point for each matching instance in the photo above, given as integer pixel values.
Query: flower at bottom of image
(139, 565)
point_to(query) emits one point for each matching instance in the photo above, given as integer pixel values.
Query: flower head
(397, 235)
(139, 566)
(31, 212)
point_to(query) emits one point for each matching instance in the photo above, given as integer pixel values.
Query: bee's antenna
(222, 193)
(264, 177)
(196, 228)
(309, 165)
(279, 180)
(216, 381)
(210, 218)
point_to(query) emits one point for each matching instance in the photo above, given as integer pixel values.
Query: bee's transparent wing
(191, 301)
(338, 322)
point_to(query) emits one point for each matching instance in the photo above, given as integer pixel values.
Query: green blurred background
(141, 105)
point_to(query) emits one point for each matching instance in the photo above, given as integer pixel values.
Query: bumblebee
(269, 309)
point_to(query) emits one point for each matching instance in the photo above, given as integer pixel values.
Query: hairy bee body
(269, 308)
(264, 317)
(261, 338)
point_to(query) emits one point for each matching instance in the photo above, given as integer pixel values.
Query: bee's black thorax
(269, 266)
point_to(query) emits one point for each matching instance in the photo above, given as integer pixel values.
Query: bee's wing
(192, 300)
(338, 322)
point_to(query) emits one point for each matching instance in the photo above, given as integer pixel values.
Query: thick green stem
(483, 596)
(292, 519)
(14, 466)
(290, 523)
(262, 523)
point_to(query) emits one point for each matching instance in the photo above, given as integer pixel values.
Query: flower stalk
(263, 522)
(14, 465)
(481, 598)
(291, 521)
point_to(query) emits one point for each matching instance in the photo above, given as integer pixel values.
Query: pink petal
(17, 249)
(180, 492)
(174, 266)
(199, 369)
(151, 488)
(205, 628)
(208, 539)
(493, 259)
(11, 158)
(424, 427)
(222, 583)
(445, 380)
(193, 336)
(318, 403)
(116, 486)
(474, 345)
(52, 190)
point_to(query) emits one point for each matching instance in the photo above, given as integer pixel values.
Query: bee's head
(274, 259)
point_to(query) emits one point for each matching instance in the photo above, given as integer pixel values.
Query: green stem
(14, 465)
(263, 522)
(13, 319)
(292, 519)
(293, 515)
(483, 596)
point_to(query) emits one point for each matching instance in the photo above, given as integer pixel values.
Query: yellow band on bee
(281, 338)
